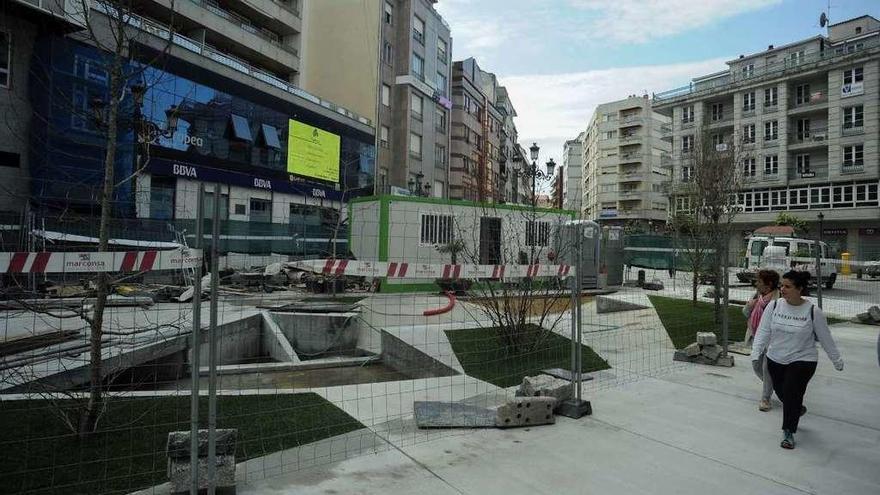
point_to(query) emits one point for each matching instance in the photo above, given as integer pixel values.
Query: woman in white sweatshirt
(788, 333)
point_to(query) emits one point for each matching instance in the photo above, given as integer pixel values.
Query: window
(717, 112)
(440, 155)
(748, 70)
(261, 210)
(384, 131)
(610, 134)
(416, 103)
(442, 50)
(5, 60)
(418, 30)
(771, 130)
(687, 143)
(436, 229)
(803, 129)
(441, 83)
(537, 233)
(208, 205)
(415, 145)
(854, 75)
(771, 97)
(803, 164)
(418, 66)
(853, 117)
(162, 191)
(687, 174)
(687, 114)
(386, 95)
(771, 165)
(749, 167)
(387, 53)
(802, 94)
(749, 101)
(749, 133)
(440, 116)
(240, 128)
(797, 57)
(389, 13)
(853, 156)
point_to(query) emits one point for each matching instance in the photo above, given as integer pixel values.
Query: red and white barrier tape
(398, 270)
(93, 262)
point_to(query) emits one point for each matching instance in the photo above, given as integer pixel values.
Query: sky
(561, 58)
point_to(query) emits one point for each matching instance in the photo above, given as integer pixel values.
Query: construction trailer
(410, 229)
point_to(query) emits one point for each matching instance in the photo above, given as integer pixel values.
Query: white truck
(799, 254)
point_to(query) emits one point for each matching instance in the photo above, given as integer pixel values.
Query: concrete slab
(435, 414)
(694, 431)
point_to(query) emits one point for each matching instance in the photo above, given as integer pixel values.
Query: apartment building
(212, 97)
(390, 60)
(808, 116)
(623, 178)
(571, 173)
(509, 160)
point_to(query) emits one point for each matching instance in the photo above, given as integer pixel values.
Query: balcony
(725, 121)
(630, 194)
(631, 177)
(852, 130)
(245, 24)
(630, 157)
(629, 139)
(163, 32)
(817, 101)
(631, 121)
(811, 138)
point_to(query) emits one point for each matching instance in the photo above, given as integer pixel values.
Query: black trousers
(790, 383)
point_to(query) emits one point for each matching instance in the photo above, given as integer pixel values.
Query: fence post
(819, 262)
(576, 407)
(212, 349)
(195, 350)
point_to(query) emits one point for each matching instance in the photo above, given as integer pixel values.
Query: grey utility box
(586, 234)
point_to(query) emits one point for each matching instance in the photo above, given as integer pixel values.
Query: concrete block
(180, 474)
(611, 305)
(711, 352)
(692, 350)
(680, 355)
(178, 446)
(874, 313)
(653, 286)
(544, 386)
(726, 361)
(706, 338)
(526, 411)
(565, 374)
(435, 414)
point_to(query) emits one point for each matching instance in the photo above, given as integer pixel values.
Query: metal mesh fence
(426, 323)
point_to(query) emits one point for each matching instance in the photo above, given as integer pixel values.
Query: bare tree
(712, 177)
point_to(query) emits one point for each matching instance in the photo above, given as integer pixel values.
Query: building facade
(623, 178)
(572, 173)
(391, 60)
(216, 106)
(808, 115)
(479, 163)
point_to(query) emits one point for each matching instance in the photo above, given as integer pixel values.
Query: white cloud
(638, 21)
(554, 108)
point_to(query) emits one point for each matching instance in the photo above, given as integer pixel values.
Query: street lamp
(532, 172)
(416, 187)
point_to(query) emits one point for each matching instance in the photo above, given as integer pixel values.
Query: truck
(799, 254)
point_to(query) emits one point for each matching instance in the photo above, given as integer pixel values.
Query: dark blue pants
(790, 383)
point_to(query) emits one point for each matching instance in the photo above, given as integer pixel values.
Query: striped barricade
(94, 262)
(404, 270)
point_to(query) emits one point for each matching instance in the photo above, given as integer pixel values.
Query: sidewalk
(695, 431)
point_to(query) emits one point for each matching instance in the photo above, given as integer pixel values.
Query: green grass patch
(483, 355)
(682, 320)
(39, 455)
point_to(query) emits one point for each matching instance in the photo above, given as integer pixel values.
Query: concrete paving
(694, 430)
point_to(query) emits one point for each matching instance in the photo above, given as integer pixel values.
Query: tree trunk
(90, 417)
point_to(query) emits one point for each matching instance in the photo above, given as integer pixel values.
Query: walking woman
(767, 285)
(788, 333)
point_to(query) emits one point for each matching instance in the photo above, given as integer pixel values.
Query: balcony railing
(852, 167)
(163, 32)
(783, 66)
(245, 24)
(630, 157)
(812, 135)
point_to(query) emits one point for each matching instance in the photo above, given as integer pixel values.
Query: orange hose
(444, 309)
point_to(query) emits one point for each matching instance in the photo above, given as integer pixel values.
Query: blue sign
(208, 174)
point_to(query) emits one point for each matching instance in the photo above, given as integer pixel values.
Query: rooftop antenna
(825, 18)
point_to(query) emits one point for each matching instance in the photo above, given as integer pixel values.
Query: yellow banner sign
(312, 152)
